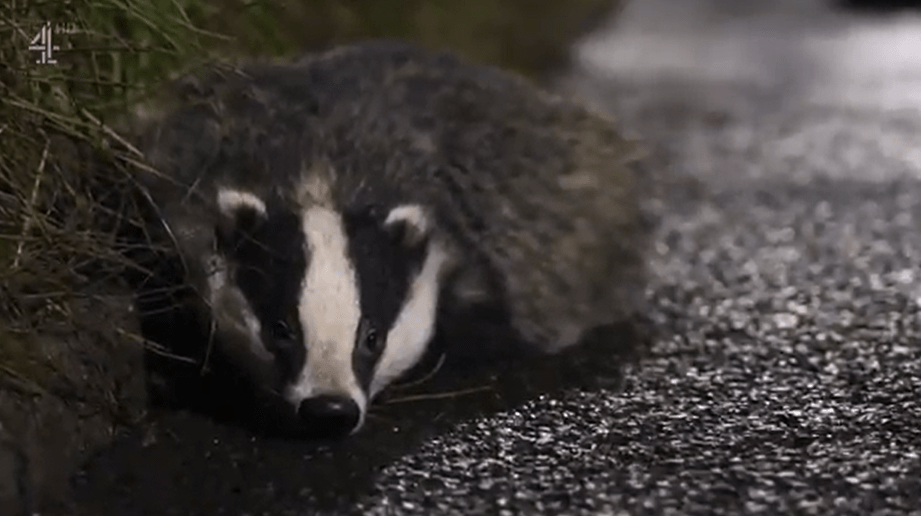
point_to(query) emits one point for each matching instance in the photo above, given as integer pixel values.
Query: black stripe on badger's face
(264, 248)
(387, 256)
(413, 326)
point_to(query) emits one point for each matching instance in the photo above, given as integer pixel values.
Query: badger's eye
(370, 339)
(282, 331)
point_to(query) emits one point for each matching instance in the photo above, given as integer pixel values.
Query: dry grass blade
(22, 382)
(155, 348)
(33, 198)
(112, 134)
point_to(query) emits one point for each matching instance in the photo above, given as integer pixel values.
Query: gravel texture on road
(785, 375)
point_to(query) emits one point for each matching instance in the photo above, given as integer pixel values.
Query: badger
(328, 208)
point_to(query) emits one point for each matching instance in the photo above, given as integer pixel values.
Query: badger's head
(324, 308)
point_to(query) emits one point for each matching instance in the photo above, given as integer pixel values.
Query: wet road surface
(785, 377)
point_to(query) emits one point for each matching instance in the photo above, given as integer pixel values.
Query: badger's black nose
(330, 415)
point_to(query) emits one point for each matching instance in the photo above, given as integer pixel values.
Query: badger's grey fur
(384, 180)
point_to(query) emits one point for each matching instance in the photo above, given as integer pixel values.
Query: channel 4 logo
(43, 42)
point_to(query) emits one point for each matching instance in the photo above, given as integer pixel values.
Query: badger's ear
(239, 214)
(409, 224)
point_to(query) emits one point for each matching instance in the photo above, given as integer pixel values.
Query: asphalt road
(785, 377)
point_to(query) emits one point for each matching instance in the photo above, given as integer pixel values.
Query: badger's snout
(329, 415)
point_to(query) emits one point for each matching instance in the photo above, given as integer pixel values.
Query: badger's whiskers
(428, 376)
(438, 395)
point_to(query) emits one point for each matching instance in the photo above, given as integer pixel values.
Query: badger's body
(327, 208)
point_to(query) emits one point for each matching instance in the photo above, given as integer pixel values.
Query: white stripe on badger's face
(329, 311)
(415, 325)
